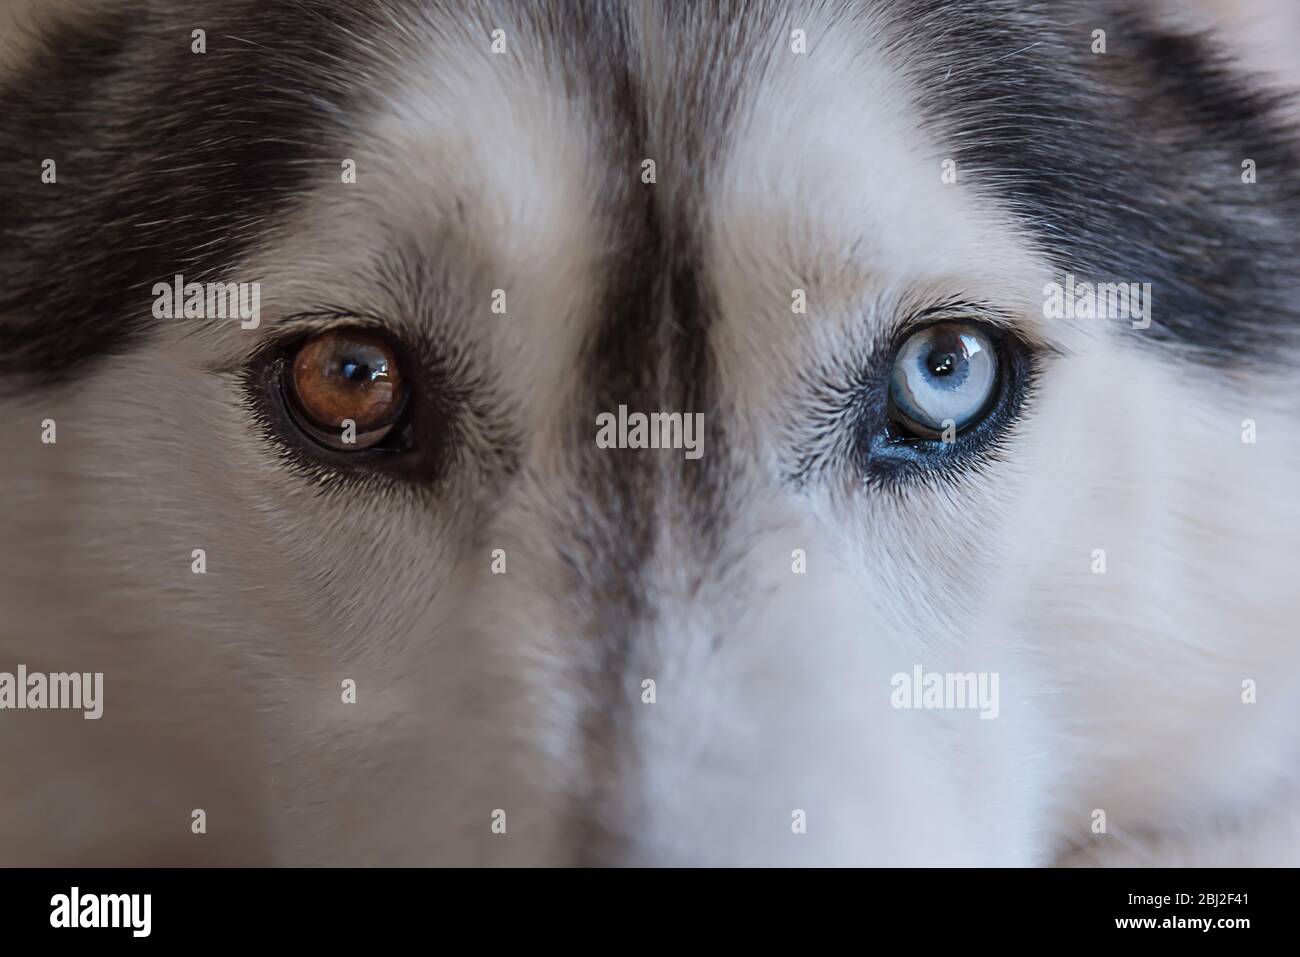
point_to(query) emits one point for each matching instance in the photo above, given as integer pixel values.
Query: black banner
(372, 906)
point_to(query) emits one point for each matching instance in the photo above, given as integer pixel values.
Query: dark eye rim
(893, 452)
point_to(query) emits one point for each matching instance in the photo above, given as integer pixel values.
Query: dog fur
(523, 692)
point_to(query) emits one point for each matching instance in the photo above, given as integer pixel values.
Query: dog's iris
(345, 388)
(943, 378)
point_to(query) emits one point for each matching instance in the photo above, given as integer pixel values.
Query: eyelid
(956, 310)
(304, 325)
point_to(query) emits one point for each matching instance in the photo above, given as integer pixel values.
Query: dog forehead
(562, 145)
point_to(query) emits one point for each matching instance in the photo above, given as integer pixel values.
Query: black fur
(168, 162)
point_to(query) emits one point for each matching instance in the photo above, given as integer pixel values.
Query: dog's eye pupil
(365, 371)
(942, 363)
(343, 376)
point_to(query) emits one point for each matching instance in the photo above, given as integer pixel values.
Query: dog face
(490, 628)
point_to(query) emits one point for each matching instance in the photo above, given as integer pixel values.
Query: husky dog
(351, 361)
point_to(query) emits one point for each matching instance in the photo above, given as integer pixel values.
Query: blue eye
(943, 378)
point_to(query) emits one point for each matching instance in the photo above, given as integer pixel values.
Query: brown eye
(346, 389)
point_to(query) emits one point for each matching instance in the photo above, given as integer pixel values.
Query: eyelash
(853, 411)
